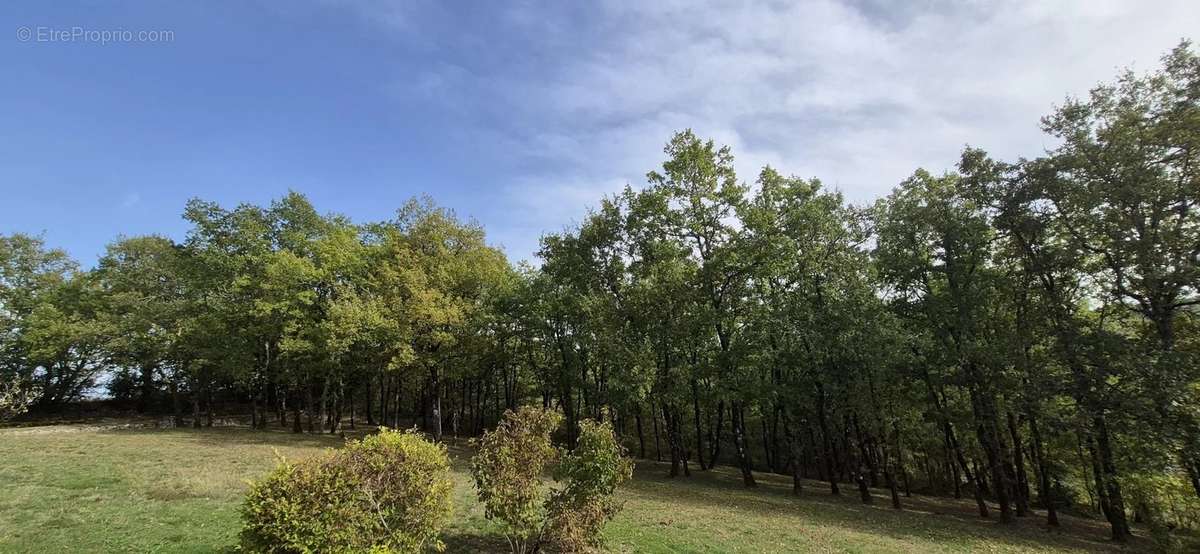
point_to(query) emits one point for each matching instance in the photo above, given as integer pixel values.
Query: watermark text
(91, 35)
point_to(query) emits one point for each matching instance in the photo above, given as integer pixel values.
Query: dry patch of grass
(112, 489)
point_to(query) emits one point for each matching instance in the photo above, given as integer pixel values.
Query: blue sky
(517, 114)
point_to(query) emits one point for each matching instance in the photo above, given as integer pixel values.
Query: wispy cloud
(856, 93)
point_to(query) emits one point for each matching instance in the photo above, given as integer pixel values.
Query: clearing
(76, 488)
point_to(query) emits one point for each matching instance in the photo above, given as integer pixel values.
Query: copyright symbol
(24, 34)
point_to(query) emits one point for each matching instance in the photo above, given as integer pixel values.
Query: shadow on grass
(241, 436)
(462, 541)
(923, 517)
(943, 519)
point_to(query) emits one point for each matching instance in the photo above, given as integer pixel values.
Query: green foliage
(16, 396)
(590, 474)
(1025, 329)
(509, 470)
(49, 333)
(1165, 500)
(389, 492)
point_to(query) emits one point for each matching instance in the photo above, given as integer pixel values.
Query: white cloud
(858, 94)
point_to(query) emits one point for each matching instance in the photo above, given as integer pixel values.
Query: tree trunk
(147, 393)
(657, 443)
(368, 407)
(977, 487)
(641, 434)
(195, 410)
(208, 400)
(385, 397)
(176, 404)
(296, 417)
(323, 416)
(890, 478)
(794, 450)
(826, 442)
(1022, 479)
(674, 439)
(435, 389)
(696, 418)
(739, 443)
(1044, 491)
(254, 411)
(714, 436)
(309, 408)
(986, 431)
(1116, 502)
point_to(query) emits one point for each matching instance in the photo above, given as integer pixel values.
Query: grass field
(72, 488)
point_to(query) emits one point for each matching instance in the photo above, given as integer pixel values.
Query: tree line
(1020, 332)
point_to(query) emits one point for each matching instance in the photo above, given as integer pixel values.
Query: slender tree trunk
(435, 389)
(827, 453)
(657, 443)
(1044, 491)
(739, 443)
(1116, 502)
(714, 436)
(953, 466)
(323, 420)
(973, 479)
(296, 417)
(1022, 479)
(280, 406)
(641, 435)
(900, 460)
(254, 424)
(696, 418)
(669, 421)
(396, 403)
(864, 441)
(368, 407)
(309, 408)
(196, 410)
(176, 404)
(794, 450)
(776, 456)
(890, 478)
(208, 397)
(766, 444)
(385, 397)
(856, 464)
(989, 441)
(147, 383)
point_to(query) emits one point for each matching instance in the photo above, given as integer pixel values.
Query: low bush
(16, 396)
(509, 468)
(389, 492)
(590, 475)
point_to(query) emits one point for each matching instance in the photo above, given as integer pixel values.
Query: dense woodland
(1021, 332)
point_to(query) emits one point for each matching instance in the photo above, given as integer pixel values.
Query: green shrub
(590, 473)
(389, 492)
(16, 396)
(509, 468)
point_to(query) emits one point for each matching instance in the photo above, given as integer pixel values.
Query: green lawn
(71, 488)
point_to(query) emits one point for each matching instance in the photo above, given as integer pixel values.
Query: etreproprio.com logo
(97, 36)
